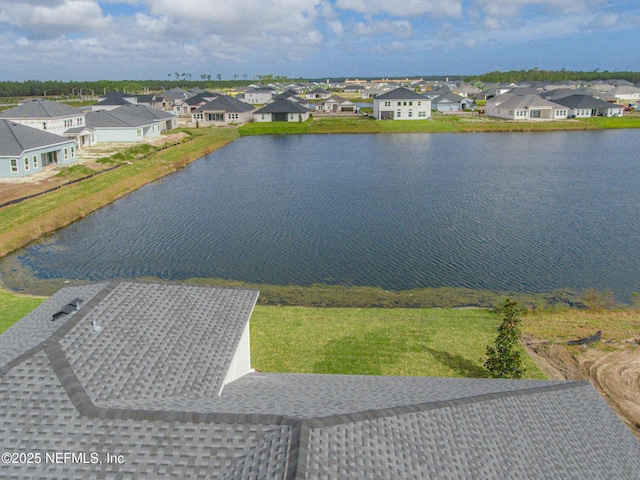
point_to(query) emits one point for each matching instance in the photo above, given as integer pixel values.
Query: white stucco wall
(241, 363)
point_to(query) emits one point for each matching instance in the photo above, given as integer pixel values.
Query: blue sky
(150, 39)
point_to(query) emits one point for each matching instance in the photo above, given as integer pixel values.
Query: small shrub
(503, 360)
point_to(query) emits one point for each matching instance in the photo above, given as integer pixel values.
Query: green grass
(14, 307)
(416, 342)
(439, 123)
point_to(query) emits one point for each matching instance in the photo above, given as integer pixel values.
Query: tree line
(538, 75)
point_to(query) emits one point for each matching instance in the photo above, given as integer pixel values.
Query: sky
(154, 39)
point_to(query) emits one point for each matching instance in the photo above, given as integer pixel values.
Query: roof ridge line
(373, 414)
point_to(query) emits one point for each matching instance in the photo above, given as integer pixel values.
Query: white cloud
(603, 21)
(511, 8)
(447, 8)
(401, 28)
(47, 18)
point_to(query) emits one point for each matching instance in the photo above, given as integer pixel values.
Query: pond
(527, 212)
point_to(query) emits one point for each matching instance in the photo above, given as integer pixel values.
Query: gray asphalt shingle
(146, 386)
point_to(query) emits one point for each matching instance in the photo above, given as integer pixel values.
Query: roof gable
(15, 138)
(40, 108)
(225, 103)
(400, 94)
(282, 106)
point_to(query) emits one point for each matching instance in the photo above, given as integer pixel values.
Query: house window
(399, 104)
(399, 113)
(44, 125)
(410, 113)
(422, 114)
(35, 161)
(66, 154)
(419, 104)
(73, 152)
(26, 163)
(139, 132)
(14, 165)
(410, 104)
(387, 104)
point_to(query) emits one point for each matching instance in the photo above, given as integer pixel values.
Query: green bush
(503, 360)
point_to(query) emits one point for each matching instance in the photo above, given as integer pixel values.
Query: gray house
(25, 150)
(115, 126)
(223, 110)
(281, 111)
(127, 379)
(586, 106)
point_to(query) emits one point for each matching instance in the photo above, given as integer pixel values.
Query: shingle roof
(40, 108)
(114, 98)
(114, 119)
(401, 93)
(282, 106)
(585, 101)
(16, 138)
(144, 384)
(225, 103)
(143, 111)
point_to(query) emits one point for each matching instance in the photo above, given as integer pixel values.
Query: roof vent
(69, 309)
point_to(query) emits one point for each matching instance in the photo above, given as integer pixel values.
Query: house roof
(138, 370)
(401, 93)
(15, 139)
(514, 101)
(225, 103)
(115, 98)
(40, 108)
(584, 101)
(449, 97)
(114, 119)
(143, 111)
(282, 106)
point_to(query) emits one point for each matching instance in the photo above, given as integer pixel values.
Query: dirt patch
(613, 368)
(14, 188)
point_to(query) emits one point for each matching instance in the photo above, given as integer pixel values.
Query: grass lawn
(14, 307)
(420, 342)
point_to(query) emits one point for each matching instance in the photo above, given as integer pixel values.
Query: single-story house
(586, 106)
(281, 111)
(155, 101)
(336, 104)
(167, 121)
(26, 150)
(525, 107)
(127, 379)
(451, 102)
(373, 92)
(401, 104)
(318, 93)
(223, 110)
(114, 126)
(52, 117)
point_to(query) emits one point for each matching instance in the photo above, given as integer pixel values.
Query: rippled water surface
(514, 211)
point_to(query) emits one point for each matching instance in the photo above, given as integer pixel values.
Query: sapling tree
(503, 358)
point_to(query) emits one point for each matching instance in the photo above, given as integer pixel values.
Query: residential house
(52, 117)
(281, 111)
(258, 96)
(450, 102)
(115, 126)
(401, 104)
(26, 150)
(190, 104)
(373, 92)
(525, 107)
(167, 121)
(336, 104)
(318, 94)
(223, 110)
(113, 100)
(155, 101)
(586, 106)
(153, 380)
(626, 94)
(466, 91)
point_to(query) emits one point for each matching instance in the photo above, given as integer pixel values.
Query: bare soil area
(14, 188)
(613, 369)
